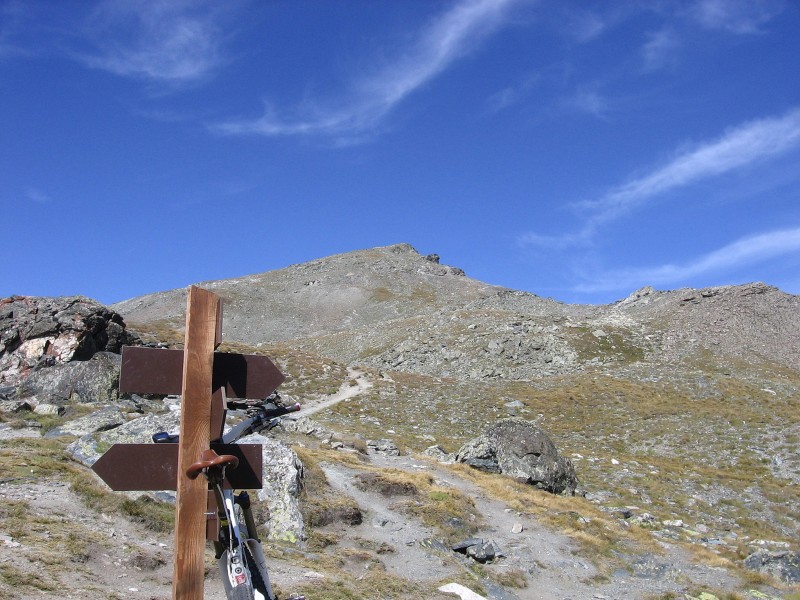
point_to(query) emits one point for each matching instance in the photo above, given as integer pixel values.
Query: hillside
(679, 410)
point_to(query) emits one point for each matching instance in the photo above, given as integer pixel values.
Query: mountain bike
(238, 548)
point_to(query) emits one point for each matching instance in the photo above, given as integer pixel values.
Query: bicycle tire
(241, 592)
(264, 588)
(255, 573)
(257, 583)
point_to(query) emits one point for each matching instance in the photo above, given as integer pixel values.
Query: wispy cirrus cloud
(745, 251)
(37, 196)
(369, 99)
(736, 16)
(739, 147)
(15, 19)
(589, 100)
(660, 49)
(163, 41)
(512, 95)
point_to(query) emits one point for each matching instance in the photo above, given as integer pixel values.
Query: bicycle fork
(238, 550)
(231, 543)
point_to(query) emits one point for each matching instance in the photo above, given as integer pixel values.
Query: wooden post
(203, 309)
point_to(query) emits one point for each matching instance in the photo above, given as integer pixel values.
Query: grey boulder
(519, 449)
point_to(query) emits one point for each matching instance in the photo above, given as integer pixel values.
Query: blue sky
(578, 150)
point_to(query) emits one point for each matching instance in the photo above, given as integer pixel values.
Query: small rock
(433, 544)
(673, 523)
(383, 446)
(46, 408)
(459, 590)
(517, 528)
(481, 553)
(463, 545)
(439, 454)
(14, 406)
(313, 575)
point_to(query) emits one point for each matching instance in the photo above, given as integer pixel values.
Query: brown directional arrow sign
(140, 467)
(160, 371)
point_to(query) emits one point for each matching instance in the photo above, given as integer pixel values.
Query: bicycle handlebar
(278, 411)
(262, 417)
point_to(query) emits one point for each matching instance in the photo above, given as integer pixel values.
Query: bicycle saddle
(209, 459)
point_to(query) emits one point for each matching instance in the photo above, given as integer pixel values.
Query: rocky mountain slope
(391, 307)
(678, 410)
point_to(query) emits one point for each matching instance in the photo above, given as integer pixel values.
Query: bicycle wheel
(255, 574)
(241, 592)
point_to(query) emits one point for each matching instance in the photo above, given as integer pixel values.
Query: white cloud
(15, 18)
(743, 252)
(589, 101)
(513, 94)
(583, 25)
(167, 41)
(660, 49)
(736, 16)
(444, 40)
(740, 147)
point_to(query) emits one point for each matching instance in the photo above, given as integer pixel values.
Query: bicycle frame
(238, 548)
(236, 566)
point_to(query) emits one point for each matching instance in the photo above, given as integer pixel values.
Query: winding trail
(346, 391)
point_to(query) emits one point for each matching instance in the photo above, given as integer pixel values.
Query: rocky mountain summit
(673, 414)
(394, 308)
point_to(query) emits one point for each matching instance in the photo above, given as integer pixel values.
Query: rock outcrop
(47, 332)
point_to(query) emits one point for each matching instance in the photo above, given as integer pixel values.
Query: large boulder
(104, 419)
(521, 450)
(283, 482)
(282, 469)
(43, 332)
(783, 564)
(92, 381)
(91, 446)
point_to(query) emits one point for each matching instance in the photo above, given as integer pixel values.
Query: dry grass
(320, 504)
(369, 586)
(673, 441)
(165, 331)
(36, 459)
(596, 531)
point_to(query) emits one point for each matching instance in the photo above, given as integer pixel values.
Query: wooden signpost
(204, 379)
